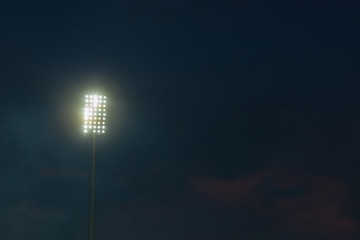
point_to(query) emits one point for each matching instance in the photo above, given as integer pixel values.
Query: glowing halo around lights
(94, 103)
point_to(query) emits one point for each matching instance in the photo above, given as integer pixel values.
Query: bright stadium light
(94, 124)
(93, 109)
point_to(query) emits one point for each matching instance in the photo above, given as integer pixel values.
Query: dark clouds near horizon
(228, 119)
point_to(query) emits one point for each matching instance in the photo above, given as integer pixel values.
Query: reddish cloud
(234, 192)
(304, 204)
(321, 209)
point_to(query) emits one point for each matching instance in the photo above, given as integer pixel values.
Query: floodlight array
(95, 114)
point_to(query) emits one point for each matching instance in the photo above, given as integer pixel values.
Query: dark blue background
(227, 119)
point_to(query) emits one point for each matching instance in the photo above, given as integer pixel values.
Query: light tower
(94, 124)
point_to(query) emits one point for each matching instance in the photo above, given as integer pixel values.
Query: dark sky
(227, 119)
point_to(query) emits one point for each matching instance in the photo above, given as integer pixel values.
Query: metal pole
(92, 194)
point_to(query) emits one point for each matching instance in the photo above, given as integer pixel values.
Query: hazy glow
(93, 107)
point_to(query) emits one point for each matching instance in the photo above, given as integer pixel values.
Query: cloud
(309, 205)
(321, 209)
(236, 191)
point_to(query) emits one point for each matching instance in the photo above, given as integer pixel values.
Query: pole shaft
(92, 193)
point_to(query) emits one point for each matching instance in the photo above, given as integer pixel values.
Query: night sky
(227, 120)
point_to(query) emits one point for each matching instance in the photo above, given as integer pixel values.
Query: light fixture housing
(95, 105)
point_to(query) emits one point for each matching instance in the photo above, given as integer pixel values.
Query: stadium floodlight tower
(94, 124)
